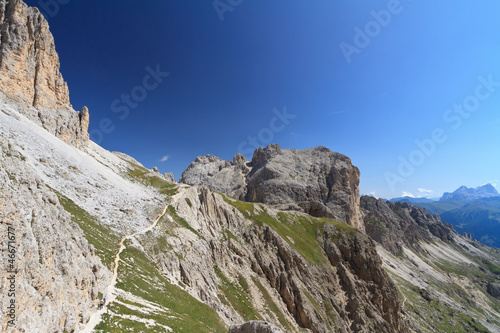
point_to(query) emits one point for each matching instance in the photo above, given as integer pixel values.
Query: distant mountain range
(412, 200)
(464, 193)
(472, 210)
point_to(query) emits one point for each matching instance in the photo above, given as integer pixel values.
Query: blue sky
(407, 89)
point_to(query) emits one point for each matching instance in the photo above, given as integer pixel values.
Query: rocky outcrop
(494, 290)
(394, 225)
(342, 288)
(29, 64)
(59, 274)
(222, 176)
(254, 326)
(316, 180)
(30, 76)
(169, 177)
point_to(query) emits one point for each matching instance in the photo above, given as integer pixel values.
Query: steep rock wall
(30, 76)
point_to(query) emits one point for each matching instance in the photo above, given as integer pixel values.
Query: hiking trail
(95, 319)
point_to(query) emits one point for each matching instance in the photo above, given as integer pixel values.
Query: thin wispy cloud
(423, 192)
(165, 158)
(407, 194)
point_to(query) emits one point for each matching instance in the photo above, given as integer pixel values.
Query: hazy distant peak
(465, 193)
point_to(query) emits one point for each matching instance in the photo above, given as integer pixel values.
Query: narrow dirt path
(95, 319)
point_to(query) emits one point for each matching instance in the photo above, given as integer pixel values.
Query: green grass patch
(237, 296)
(102, 238)
(146, 177)
(491, 266)
(183, 223)
(299, 231)
(138, 275)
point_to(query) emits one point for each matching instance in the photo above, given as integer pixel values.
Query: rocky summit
(316, 180)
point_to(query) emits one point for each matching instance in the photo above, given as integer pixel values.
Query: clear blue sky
(226, 78)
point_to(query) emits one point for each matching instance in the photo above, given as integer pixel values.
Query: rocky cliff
(447, 281)
(316, 180)
(30, 76)
(59, 274)
(395, 225)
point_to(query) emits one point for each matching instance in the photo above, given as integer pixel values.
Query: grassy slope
(139, 276)
(182, 312)
(298, 230)
(101, 237)
(433, 314)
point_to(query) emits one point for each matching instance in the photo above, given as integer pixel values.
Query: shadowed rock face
(316, 180)
(29, 73)
(396, 224)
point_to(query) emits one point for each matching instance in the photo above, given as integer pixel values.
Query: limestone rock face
(30, 77)
(222, 176)
(29, 64)
(395, 225)
(316, 180)
(169, 176)
(59, 274)
(320, 182)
